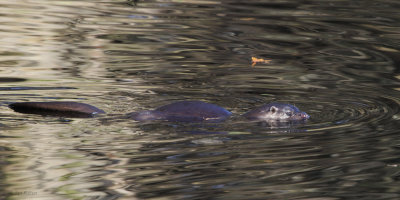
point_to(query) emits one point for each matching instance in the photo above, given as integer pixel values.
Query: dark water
(339, 61)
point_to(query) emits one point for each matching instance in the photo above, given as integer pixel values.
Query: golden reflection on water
(50, 163)
(45, 36)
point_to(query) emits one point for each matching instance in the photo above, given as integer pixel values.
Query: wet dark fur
(62, 109)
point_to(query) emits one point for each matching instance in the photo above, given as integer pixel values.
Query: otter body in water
(181, 111)
(184, 111)
(197, 111)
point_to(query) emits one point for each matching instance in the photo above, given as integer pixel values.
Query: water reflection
(336, 60)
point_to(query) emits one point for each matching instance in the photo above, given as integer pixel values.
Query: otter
(276, 112)
(181, 111)
(184, 111)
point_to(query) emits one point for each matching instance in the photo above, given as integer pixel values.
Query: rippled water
(339, 61)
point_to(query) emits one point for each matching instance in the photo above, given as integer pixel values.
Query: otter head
(277, 112)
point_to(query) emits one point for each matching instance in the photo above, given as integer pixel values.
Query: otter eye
(273, 109)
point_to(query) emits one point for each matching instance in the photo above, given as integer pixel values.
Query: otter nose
(304, 115)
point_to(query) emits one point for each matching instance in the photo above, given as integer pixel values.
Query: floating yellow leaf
(255, 60)
(247, 18)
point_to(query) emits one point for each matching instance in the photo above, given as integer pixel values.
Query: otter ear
(273, 109)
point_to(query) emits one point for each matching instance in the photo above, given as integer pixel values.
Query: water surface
(336, 60)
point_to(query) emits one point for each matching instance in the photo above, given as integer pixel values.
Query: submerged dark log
(60, 109)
